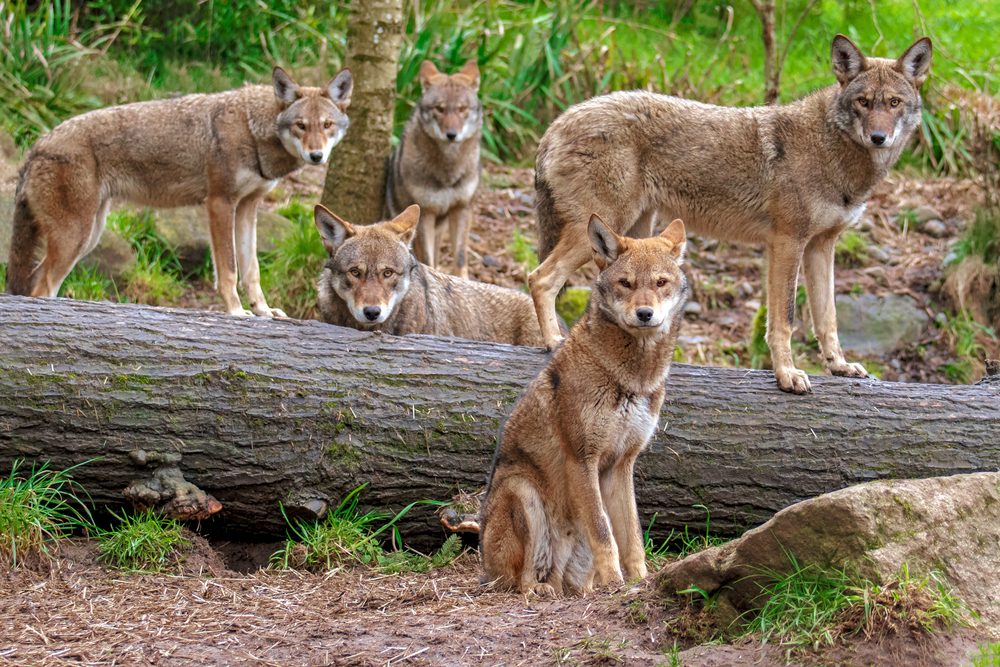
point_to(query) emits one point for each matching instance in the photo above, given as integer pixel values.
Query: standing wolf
(791, 177)
(226, 150)
(373, 282)
(560, 513)
(436, 164)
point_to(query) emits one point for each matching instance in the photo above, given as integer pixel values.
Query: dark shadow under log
(256, 412)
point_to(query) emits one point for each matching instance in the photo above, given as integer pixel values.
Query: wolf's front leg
(618, 492)
(246, 252)
(458, 233)
(818, 263)
(783, 257)
(588, 514)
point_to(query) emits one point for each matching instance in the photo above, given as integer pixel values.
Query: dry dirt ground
(76, 612)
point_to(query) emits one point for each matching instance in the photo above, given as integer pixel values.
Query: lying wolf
(372, 281)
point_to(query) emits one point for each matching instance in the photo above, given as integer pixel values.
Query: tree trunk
(355, 179)
(772, 73)
(256, 412)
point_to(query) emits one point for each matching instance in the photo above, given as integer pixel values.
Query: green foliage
(980, 240)
(966, 338)
(988, 655)
(87, 283)
(907, 219)
(289, 273)
(760, 353)
(37, 509)
(3, 277)
(811, 607)
(572, 303)
(404, 560)
(157, 278)
(851, 250)
(143, 542)
(682, 543)
(523, 251)
(348, 537)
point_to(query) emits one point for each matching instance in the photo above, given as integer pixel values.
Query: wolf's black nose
(878, 138)
(371, 312)
(451, 134)
(644, 314)
(316, 156)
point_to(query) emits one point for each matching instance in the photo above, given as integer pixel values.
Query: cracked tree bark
(256, 412)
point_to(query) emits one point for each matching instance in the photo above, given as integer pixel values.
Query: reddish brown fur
(560, 513)
(791, 177)
(436, 164)
(226, 150)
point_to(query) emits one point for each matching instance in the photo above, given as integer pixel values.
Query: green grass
(966, 337)
(157, 278)
(980, 240)
(38, 508)
(812, 607)
(289, 273)
(142, 542)
(348, 537)
(404, 560)
(988, 655)
(680, 543)
(523, 251)
(88, 283)
(3, 277)
(758, 349)
(851, 249)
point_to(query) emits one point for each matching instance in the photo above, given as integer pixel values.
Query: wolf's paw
(550, 346)
(241, 312)
(635, 571)
(611, 576)
(847, 369)
(541, 590)
(792, 380)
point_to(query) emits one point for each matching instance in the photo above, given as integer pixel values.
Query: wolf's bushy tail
(24, 240)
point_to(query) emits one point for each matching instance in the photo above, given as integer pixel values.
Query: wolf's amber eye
(625, 283)
(356, 273)
(894, 102)
(463, 109)
(661, 282)
(863, 101)
(440, 109)
(300, 124)
(327, 124)
(387, 273)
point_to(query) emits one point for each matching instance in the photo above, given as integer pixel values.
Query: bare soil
(75, 611)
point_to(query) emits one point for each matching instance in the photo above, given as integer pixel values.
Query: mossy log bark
(258, 412)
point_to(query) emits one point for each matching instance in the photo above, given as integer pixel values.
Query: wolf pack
(559, 514)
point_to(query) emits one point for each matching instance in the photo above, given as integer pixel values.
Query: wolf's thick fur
(373, 282)
(791, 177)
(224, 149)
(436, 164)
(560, 513)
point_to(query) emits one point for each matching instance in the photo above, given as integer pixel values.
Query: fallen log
(169, 404)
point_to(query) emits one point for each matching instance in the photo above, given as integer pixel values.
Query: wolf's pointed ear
(470, 70)
(285, 89)
(848, 61)
(427, 72)
(603, 241)
(675, 233)
(340, 88)
(332, 229)
(915, 63)
(405, 224)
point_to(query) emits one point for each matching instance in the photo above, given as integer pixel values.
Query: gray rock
(878, 254)
(113, 256)
(692, 308)
(186, 229)
(924, 213)
(949, 525)
(872, 325)
(745, 290)
(490, 261)
(935, 228)
(6, 220)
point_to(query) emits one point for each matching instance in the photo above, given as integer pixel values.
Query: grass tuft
(37, 509)
(157, 277)
(88, 283)
(851, 250)
(290, 272)
(143, 542)
(680, 543)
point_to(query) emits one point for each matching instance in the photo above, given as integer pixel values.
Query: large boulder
(946, 524)
(872, 326)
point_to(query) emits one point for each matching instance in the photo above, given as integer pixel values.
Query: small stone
(752, 304)
(490, 261)
(935, 228)
(745, 290)
(879, 254)
(475, 238)
(925, 213)
(941, 319)
(692, 308)
(866, 224)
